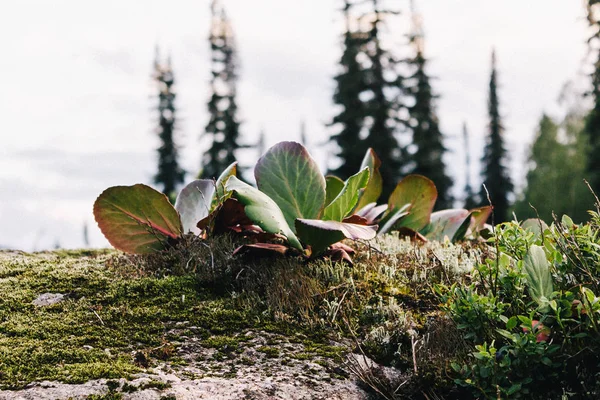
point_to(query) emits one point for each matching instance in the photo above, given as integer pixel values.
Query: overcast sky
(76, 104)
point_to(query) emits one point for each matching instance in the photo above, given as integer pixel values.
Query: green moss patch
(109, 326)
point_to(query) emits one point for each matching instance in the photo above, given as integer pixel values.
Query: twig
(494, 276)
(338, 307)
(212, 257)
(96, 314)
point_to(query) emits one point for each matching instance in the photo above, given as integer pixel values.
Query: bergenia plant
(294, 208)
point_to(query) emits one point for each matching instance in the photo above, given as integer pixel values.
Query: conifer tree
(592, 126)
(427, 139)
(556, 172)
(383, 90)
(496, 177)
(169, 174)
(223, 126)
(349, 85)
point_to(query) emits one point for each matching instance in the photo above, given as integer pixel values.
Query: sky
(77, 100)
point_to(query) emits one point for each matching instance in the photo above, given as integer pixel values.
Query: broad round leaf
(346, 200)
(194, 203)
(291, 177)
(262, 210)
(421, 194)
(136, 219)
(535, 225)
(374, 187)
(451, 223)
(321, 234)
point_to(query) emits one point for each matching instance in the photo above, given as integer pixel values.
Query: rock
(48, 299)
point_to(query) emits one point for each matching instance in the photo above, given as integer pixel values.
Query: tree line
(387, 103)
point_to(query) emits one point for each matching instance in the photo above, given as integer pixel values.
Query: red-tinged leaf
(226, 216)
(264, 237)
(319, 235)
(137, 219)
(343, 246)
(194, 203)
(262, 249)
(451, 224)
(356, 219)
(338, 255)
(421, 194)
(479, 217)
(291, 178)
(413, 235)
(371, 211)
(374, 187)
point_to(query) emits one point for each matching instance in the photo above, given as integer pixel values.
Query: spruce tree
(496, 177)
(223, 126)
(349, 85)
(383, 91)
(169, 174)
(592, 126)
(427, 140)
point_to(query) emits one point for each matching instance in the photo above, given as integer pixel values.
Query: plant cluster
(532, 313)
(294, 210)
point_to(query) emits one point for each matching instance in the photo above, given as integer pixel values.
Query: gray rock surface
(47, 299)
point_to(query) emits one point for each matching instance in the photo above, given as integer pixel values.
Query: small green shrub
(532, 314)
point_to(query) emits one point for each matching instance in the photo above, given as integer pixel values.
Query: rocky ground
(267, 366)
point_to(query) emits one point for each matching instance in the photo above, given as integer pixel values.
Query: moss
(123, 314)
(223, 343)
(108, 396)
(270, 352)
(105, 317)
(155, 384)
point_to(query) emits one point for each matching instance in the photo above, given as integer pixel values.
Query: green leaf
(513, 389)
(538, 274)
(231, 170)
(334, 186)
(262, 210)
(420, 193)
(345, 201)
(321, 234)
(506, 334)
(512, 323)
(452, 223)
(535, 225)
(567, 221)
(390, 218)
(136, 219)
(194, 203)
(374, 187)
(291, 177)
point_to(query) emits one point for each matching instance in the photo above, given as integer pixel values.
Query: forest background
(81, 95)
